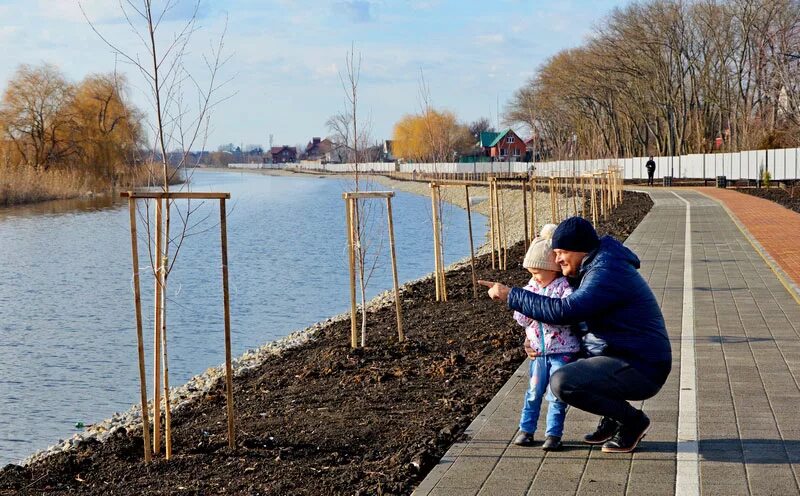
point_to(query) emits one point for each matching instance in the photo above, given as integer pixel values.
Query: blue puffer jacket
(620, 311)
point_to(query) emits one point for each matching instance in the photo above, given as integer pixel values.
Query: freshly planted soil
(777, 195)
(323, 418)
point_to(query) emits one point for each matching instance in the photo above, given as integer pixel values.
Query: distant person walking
(651, 170)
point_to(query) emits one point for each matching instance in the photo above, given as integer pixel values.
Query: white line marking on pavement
(687, 476)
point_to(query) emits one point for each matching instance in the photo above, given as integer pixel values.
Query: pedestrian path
(726, 422)
(774, 227)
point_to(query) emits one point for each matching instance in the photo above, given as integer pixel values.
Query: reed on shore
(19, 185)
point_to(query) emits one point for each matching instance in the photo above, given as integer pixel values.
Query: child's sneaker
(524, 439)
(552, 443)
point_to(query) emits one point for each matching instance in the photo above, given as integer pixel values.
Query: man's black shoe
(605, 429)
(552, 443)
(628, 436)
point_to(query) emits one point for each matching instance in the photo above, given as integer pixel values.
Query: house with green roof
(503, 146)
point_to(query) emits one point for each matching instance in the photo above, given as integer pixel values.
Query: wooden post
(441, 244)
(497, 226)
(164, 354)
(574, 196)
(503, 231)
(165, 362)
(534, 213)
(435, 244)
(553, 218)
(471, 244)
(436, 249)
(351, 252)
(583, 198)
(525, 212)
(223, 227)
(397, 305)
(157, 331)
(594, 201)
(139, 340)
(491, 220)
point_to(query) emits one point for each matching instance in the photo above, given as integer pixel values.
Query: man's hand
(497, 291)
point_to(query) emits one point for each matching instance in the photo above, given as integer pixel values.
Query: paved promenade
(727, 420)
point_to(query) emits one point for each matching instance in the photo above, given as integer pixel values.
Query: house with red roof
(503, 146)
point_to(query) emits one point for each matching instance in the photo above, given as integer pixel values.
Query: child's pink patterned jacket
(557, 339)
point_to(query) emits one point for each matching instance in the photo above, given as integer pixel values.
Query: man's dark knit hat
(575, 234)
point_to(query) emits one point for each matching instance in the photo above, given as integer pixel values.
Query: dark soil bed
(778, 195)
(325, 419)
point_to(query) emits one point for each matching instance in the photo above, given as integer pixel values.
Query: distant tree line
(671, 76)
(47, 123)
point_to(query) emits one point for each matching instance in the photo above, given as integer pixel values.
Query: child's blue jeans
(541, 368)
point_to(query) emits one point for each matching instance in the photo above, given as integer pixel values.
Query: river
(67, 333)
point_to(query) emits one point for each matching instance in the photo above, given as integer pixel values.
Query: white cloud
(356, 10)
(8, 33)
(99, 11)
(326, 71)
(490, 39)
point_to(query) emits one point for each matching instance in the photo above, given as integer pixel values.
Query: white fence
(783, 163)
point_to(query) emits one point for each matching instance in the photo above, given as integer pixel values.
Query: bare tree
(354, 133)
(175, 125)
(669, 76)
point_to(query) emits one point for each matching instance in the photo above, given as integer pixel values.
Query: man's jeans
(603, 385)
(541, 368)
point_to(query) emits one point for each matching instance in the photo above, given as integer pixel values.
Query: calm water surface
(67, 334)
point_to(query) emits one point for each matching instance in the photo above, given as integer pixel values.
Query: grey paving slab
(747, 360)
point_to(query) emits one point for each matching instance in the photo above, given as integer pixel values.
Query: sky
(285, 57)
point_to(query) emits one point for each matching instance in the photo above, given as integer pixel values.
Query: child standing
(548, 346)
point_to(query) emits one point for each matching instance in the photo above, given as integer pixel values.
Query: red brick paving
(777, 228)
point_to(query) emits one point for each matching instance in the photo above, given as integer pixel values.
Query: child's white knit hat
(540, 254)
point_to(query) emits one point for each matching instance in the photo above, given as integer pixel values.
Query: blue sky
(286, 55)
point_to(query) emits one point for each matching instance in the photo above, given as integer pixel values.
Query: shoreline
(200, 384)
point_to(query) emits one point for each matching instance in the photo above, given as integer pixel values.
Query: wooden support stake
(575, 196)
(525, 212)
(223, 227)
(351, 252)
(157, 331)
(503, 231)
(583, 198)
(165, 362)
(397, 303)
(497, 227)
(534, 213)
(436, 250)
(553, 214)
(443, 278)
(471, 244)
(594, 202)
(491, 221)
(139, 339)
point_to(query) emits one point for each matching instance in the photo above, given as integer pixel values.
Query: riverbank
(320, 417)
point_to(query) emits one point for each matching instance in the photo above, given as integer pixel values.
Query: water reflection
(55, 207)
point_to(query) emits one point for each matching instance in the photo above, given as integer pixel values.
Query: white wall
(783, 164)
